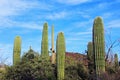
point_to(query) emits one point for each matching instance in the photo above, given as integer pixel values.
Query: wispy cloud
(7, 23)
(57, 15)
(107, 5)
(84, 33)
(12, 8)
(83, 23)
(73, 2)
(73, 39)
(107, 15)
(83, 14)
(103, 5)
(15, 7)
(31, 25)
(114, 24)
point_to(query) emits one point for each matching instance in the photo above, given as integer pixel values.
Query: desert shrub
(71, 73)
(31, 67)
(83, 72)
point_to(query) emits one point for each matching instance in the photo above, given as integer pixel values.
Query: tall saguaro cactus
(60, 52)
(52, 43)
(90, 57)
(116, 63)
(16, 50)
(44, 42)
(99, 46)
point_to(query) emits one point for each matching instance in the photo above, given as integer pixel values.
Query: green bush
(31, 67)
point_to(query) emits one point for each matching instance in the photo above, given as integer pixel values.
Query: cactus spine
(52, 42)
(116, 63)
(44, 42)
(98, 46)
(60, 52)
(90, 57)
(16, 50)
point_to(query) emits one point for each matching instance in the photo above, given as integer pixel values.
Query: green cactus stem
(116, 62)
(52, 49)
(16, 50)
(60, 53)
(99, 46)
(90, 57)
(44, 42)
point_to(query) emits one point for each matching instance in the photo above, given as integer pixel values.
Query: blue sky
(73, 17)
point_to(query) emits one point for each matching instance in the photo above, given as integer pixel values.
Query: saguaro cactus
(116, 63)
(90, 51)
(16, 50)
(60, 52)
(99, 46)
(52, 49)
(44, 42)
(90, 57)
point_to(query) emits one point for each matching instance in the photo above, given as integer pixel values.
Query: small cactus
(90, 57)
(116, 63)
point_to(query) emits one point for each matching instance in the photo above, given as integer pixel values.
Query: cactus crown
(17, 41)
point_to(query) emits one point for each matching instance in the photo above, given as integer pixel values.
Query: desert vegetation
(62, 65)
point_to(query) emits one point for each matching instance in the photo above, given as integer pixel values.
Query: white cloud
(107, 15)
(15, 7)
(73, 39)
(84, 14)
(87, 23)
(73, 2)
(114, 24)
(84, 33)
(106, 4)
(31, 25)
(7, 23)
(57, 15)
(102, 5)
(11, 8)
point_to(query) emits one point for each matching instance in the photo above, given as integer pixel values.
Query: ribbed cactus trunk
(116, 63)
(60, 52)
(98, 46)
(44, 42)
(90, 57)
(52, 43)
(16, 50)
